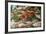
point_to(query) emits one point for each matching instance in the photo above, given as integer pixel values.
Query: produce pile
(25, 16)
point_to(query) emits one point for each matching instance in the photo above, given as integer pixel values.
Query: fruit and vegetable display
(25, 16)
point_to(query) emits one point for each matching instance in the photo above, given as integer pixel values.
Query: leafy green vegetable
(32, 18)
(15, 18)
